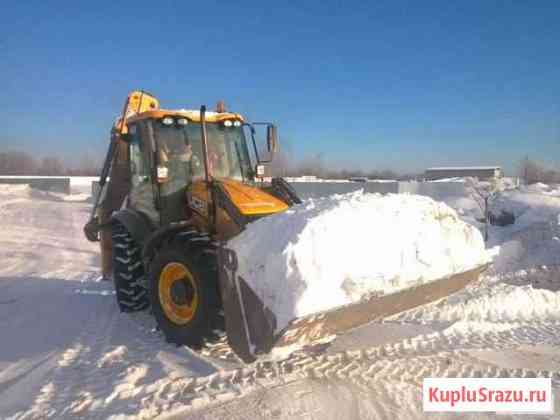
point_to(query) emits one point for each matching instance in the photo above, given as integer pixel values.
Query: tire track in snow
(374, 369)
(407, 358)
(85, 383)
(377, 369)
(68, 391)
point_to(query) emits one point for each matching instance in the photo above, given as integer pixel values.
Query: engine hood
(252, 201)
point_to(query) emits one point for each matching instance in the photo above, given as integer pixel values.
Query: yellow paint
(137, 102)
(141, 102)
(171, 273)
(252, 201)
(200, 197)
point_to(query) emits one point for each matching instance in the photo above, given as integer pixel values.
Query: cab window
(139, 170)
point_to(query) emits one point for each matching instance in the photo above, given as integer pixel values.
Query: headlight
(167, 121)
(228, 123)
(182, 121)
(237, 123)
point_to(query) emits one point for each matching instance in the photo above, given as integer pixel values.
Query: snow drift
(332, 251)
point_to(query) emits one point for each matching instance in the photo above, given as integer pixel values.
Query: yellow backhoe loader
(176, 185)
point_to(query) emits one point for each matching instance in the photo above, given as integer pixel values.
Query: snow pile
(524, 296)
(541, 188)
(332, 251)
(77, 197)
(12, 195)
(55, 196)
(500, 303)
(534, 238)
(82, 184)
(528, 208)
(14, 190)
(18, 192)
(538, 187)
(467, 209)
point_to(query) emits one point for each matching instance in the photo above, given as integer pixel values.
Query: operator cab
(167, 163)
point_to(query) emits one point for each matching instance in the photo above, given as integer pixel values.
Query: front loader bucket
(251, 326)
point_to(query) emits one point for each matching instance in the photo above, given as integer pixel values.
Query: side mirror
(272, 138)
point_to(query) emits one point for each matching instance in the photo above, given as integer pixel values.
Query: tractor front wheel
(183, 296)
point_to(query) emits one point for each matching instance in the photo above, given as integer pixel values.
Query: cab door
(142, 189)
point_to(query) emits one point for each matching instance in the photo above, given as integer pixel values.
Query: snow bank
(82, 184)
(521, 296)
(541, 188)
(332, 251)
(503, 303)
(9, 192)
(14, 189)
(12, 194)
(529, 208)
(538, 187)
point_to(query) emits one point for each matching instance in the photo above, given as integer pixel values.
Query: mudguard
(135, 222)
(251, 326)
(159, 236)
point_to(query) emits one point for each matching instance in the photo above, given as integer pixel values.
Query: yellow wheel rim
(178, 293)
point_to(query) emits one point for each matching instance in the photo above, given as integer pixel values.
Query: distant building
(480, 172)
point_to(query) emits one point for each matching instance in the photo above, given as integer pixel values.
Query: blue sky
(400, 85)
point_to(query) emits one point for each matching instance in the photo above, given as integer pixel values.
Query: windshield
(180, 149)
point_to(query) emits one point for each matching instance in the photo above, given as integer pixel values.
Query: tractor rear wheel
(184, 295)
(128, 271)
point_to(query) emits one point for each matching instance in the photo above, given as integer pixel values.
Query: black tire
(202, 267)
(128, 271)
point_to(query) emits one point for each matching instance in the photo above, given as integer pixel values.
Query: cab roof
(190, 114)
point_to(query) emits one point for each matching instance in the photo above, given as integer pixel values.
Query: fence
(322, 189)
(435, 190)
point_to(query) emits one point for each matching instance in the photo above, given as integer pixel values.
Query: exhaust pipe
(204, 136)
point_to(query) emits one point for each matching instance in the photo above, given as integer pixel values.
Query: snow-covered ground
(67, 352)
